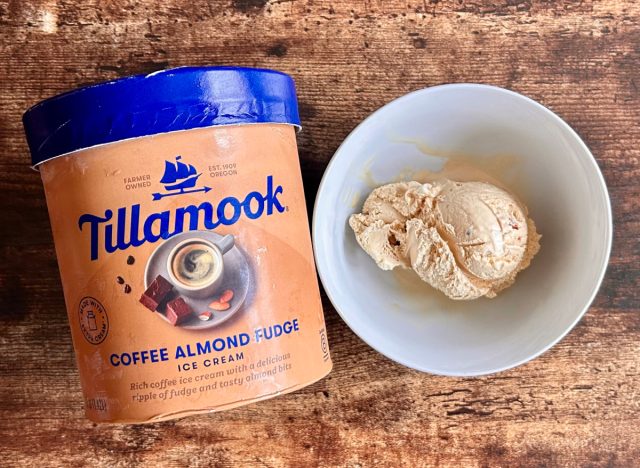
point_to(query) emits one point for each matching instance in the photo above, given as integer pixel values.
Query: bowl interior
(549, 168)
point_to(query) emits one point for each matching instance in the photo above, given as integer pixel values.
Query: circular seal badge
(94, 322)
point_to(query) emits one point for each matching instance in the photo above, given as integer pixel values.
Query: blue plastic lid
(164, 101)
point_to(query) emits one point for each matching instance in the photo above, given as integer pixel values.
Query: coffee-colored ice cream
(467, 239)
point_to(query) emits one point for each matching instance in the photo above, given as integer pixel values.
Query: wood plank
(577, 405)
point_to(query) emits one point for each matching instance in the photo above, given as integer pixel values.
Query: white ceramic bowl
(553, 173)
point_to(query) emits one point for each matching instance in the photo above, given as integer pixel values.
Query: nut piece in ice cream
(466, 239)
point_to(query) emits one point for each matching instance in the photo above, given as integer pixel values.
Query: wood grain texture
(577, 405)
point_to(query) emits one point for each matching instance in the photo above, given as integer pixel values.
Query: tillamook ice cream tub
(181, 232)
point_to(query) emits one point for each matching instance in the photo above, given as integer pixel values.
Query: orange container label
(187, 271)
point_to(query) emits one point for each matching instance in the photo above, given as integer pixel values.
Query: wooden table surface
(577, 405)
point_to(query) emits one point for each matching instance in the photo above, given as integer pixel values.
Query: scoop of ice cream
(434, 262)
(380, 228)
(467, 239)
(485, 227)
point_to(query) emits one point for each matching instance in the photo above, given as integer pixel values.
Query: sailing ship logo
(179, 178)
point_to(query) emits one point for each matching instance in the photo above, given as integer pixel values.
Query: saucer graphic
(237, 277)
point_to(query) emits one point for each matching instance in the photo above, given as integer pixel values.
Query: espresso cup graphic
(196, 266)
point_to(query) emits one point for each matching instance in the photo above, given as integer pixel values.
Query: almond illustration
(204, 316)
(226, 296)
(217, 305)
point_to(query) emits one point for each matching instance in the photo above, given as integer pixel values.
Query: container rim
(160, 102)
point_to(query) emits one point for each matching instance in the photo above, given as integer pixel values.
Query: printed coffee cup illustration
(196, 266)
(197, 280)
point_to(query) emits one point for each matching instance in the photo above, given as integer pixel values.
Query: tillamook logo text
(165, 224)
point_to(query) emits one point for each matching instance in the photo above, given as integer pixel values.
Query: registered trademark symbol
(286, 208)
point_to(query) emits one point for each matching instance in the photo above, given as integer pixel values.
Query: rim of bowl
(558, 120)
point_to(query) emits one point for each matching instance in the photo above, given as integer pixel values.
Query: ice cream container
(182, 237)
